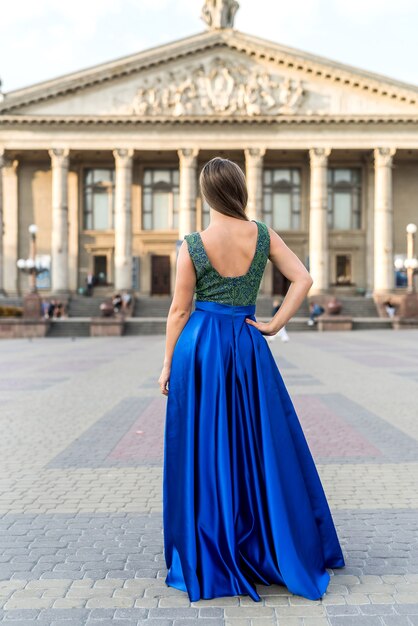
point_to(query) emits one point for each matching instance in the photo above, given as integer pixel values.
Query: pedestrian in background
(315, 310)
(390, 308)
(90, 283)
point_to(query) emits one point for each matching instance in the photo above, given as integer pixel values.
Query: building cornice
(115, 121)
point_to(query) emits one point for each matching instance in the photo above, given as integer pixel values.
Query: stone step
(80, 327)
(145, 326)
(85, 306)
(149, 306)
(157, 326)
(69, 327)
(158, 306)
(362, 308)
(366, 323)
(357, 306)
(264, 307)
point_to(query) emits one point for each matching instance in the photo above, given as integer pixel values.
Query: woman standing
(243, 503)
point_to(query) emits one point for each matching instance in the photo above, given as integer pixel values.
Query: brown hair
(223, 185)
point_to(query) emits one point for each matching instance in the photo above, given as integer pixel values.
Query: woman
(242, 500)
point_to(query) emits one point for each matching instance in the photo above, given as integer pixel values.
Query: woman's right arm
(301, 281)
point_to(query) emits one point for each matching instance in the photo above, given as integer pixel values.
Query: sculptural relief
(217, 88)
(219, 13)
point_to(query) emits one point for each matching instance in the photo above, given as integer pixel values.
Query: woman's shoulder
(191, 237)
(193, 243)
(262, 225)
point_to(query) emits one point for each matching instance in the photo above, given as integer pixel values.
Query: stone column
(318, 221)
(254, 175)
(59, 241)
(384, 276)
(369, 228)
(10, 186)
(123, 218)
(188, 192)
(74, 228)
(1, 224)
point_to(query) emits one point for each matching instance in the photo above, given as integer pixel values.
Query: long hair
(223, 185)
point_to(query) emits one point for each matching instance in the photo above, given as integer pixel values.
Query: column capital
(59, 156)
(254, 154)
(123, 156)
(383, 157)
(188, 156)
(319, 156)
(7, 161)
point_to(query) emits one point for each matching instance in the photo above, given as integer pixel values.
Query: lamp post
(32, 301)
(29, 265)
(411, 262)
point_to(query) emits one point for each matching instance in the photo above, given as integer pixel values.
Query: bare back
(231, 248)
(240, 257)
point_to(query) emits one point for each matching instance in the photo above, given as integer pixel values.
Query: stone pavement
(81, 482)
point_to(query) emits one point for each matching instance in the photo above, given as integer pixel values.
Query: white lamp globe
(30, 264)
(411, 229)
(33, 229)
(21, 263)
(399, 264)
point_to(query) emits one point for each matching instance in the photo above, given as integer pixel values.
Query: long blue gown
(243, 503)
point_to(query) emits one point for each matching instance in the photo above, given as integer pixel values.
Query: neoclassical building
(105, 161)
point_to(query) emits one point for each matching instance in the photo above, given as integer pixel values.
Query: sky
(43, 39)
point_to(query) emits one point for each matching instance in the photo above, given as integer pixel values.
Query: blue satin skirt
(243, 503)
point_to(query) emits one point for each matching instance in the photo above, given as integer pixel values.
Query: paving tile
(81, 538)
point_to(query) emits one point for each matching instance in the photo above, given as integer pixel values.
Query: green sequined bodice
(235, 290)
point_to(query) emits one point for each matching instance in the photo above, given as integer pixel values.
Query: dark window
(344, 198)
(160, 199)
(281, 198)
(99, 199)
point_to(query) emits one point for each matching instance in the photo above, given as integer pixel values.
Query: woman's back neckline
(252, 260)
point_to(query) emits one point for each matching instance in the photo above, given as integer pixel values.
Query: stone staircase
(69, 327)
(151, 306)
(265, 303)
(158, 306)
(356, 306)
(85, 306)
(150, 315)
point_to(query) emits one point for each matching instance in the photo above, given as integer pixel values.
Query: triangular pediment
(215, 74)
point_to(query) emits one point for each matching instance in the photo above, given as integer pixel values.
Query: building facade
(105, 162)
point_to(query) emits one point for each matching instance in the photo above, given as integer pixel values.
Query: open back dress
(243, 503)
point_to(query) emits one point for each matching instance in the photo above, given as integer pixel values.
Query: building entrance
(160, 274)
(343, 269)
(100, 269)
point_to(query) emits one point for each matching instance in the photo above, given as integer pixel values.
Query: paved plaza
(81, 448)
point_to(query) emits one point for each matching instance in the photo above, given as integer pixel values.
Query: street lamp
(29, 266)
(411, 262)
